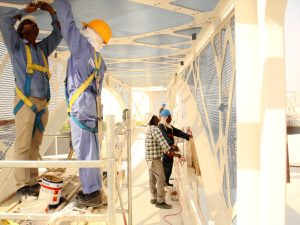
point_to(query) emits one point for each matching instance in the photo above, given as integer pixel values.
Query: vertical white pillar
(111, 168)
(261, 128)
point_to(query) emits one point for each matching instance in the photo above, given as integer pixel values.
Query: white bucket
(51, 187)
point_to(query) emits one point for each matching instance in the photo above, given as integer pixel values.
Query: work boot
(88, 200)
(25, 192)
(153, 201)
(163, 205)
(35, 188)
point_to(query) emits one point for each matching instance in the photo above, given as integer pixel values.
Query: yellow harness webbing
(87, 82)
(30, 69)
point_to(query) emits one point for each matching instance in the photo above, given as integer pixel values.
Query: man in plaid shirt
(155, 146)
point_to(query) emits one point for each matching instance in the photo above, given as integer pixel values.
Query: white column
(261, 128)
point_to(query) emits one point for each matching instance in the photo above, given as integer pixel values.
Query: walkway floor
(143, 212)
(293, 198)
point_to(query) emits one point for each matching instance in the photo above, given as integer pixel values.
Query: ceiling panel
(133, 51)
(188, 31)
(162, 59)
(182, 46)
(162, 39)
(199, 5)
(128, 18)
(132, 23)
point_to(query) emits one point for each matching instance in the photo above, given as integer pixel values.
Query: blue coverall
(80, 66)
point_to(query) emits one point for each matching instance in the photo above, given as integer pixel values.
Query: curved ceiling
(150, 37)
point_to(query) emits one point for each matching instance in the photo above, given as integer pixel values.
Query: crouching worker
(85, 68)
(168, 131)
(29, 59)
(155, 146)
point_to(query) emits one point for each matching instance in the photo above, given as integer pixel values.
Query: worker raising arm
(85, 68)
(30, 65)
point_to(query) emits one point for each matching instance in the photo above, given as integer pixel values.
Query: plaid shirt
(155, 144)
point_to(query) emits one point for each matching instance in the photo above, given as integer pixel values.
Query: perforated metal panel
(7, 134)
(226, 77)
(223, 32)
(7, 84)
(209, 104)
(232, 26)
(210, 87)
(231, 150)
(224, 185)
(191, 82)
(217, 45)
(202, 111)
(3, 51)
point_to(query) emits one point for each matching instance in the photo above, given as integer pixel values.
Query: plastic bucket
(51, 187)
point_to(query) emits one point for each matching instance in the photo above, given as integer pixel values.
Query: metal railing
(109, 163)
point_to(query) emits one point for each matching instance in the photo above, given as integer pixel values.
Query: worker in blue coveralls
(168, 131)
(84, 66)
(29, 59)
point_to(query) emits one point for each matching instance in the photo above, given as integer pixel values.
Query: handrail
(109, 163)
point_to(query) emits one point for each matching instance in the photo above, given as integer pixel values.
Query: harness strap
(24, 97)
(81, 89)
(31, 66)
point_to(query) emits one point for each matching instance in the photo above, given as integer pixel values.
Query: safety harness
(30, 68)
(70, 102)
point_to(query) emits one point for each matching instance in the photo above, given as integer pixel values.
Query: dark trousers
(168, 166)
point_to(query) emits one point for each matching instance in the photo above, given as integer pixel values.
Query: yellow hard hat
(102, 28)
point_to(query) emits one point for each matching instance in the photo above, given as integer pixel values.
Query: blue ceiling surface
(128, 18)
(125, 17)
(189, 31)
(180, 56)
(162, 39)
(199, 5)
(162, 59)
(182, 46)
(133, 51)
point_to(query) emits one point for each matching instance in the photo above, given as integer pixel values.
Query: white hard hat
(29, 17)
(46, 1)
(147, 118)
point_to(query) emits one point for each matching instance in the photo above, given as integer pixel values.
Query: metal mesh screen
(226, 78)
(231, 150)
(210, 84)
(3, 51)
(217, 45)
(201, 110)
(232, 26)
(223, 32)
(7, 84)
(225, 186)
(7, 134)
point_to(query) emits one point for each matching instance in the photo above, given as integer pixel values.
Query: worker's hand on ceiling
(31, 7)
(46, 7)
